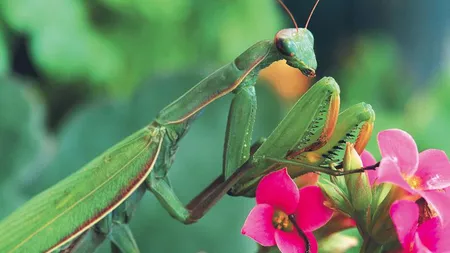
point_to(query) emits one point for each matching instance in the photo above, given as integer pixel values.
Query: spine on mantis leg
(354, 125)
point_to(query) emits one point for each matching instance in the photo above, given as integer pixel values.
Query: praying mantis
(96, 202)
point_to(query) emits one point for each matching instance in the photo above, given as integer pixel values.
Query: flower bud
(338, 199)
(358, 185)
(382, 228)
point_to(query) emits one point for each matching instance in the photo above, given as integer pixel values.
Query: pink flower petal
(389, 172)
(258, 225)
(292, 242)
(430, 233)
(434, 169)
(278, 190)
(311, 213)
(400, 146)
(405, 215)
(440, 201)
(418, 246)
(368, 159)
(444, 245)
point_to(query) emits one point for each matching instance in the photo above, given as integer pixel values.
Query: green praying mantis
(96, 202)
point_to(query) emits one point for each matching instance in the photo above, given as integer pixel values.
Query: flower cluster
(403, 204)
(422, 175)
(426, 174)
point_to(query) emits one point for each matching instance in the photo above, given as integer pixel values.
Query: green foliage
(114, 44)
(22, 140)
(429, 112)
(374, 75)
(4, 53)
(373, 70)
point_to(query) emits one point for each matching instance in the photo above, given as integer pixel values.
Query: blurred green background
(78, 76)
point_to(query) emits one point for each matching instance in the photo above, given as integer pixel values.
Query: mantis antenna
(288, 12)
(310, 15)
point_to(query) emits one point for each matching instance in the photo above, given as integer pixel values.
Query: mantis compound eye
(285, 46)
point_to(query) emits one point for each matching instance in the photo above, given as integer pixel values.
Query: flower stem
(301, 233)
(371, 246)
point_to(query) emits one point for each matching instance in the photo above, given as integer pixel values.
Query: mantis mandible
(96, 202)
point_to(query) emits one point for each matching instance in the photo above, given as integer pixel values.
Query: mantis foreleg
(238, 138)
(310, 137)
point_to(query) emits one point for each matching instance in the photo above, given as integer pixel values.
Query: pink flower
(415, 237)
(367, 160)
(425, 174)
(277, 198)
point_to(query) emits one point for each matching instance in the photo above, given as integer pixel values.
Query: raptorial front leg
(238, 137)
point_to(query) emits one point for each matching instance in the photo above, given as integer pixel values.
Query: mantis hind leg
(85, 243)
(114, 227)
(120, 235)
(200, 204)
(122, 239)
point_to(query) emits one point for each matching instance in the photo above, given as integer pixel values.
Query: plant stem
(370, 246)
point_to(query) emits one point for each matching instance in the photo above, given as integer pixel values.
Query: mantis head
(297, 48)
(296, 45)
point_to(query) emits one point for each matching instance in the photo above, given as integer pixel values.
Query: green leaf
(338, 198)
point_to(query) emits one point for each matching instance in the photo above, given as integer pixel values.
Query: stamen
(414, 181)
(280, 221)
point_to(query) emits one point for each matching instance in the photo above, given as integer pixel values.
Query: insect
(96, 202)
